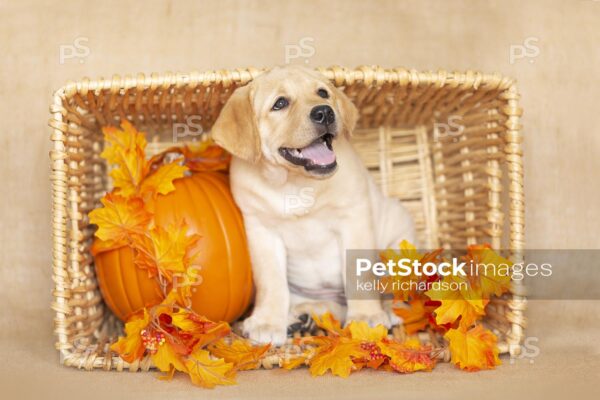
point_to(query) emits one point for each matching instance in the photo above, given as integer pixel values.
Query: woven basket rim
(368, 75)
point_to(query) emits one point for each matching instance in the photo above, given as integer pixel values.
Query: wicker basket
(447, 144)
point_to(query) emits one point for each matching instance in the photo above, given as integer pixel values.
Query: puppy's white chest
(314, 254)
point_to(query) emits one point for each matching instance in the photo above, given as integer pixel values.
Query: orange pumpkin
(204, 201)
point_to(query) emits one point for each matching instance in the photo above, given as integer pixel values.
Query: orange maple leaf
(358, 346)
(165, 250)
(408, 356)
(240, 352)
(208, 372)
(336, 354)
(329, 324)
(474, 349)
(409, 252)
(203, 329)
(198, 157)
(206, 156)
(120, 219)
(175, 338)
(130, 347)
(186, 335)
(415, 318)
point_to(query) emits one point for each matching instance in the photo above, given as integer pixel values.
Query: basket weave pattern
(462, 188)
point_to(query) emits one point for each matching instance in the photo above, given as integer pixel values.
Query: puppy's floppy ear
(348, 111)
(236, 129)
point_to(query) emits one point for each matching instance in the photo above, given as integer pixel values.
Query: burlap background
(558, 78)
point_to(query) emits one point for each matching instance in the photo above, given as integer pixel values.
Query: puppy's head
(289, 116)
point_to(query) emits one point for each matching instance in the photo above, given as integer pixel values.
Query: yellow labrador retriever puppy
(305, 196)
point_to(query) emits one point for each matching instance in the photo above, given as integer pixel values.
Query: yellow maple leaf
(329, 324)
(406, 251)
(119, 140)
(240, 352)
(409, 356)
(474, 349)
(132, 173)
(125, 150)
(493, 271)
(474, 289)
(165, 250)
(168, 360)
(294, 362)
(360, 330)
(336, 354)
(161, 180)
(120, 219)
(130, 346)
(409, 252)
(455, 305)
(208, 372)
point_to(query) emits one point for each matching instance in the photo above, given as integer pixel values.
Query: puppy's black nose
(322, 115)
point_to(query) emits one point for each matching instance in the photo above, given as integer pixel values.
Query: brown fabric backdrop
(558, 78)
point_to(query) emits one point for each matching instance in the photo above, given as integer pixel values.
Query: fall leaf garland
(171, 334)
(177, 339)
(455, 313)
(357, 346)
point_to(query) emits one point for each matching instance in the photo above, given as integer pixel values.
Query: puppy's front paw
(373, 319)
(264, 330)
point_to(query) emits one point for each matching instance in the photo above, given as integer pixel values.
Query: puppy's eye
(323, 93)
(280, 104)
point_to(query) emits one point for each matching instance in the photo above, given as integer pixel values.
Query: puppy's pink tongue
(318, 153)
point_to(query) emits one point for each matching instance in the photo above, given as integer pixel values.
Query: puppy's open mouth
(317, 157)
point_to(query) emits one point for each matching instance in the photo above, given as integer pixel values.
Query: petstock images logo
(538, 274)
